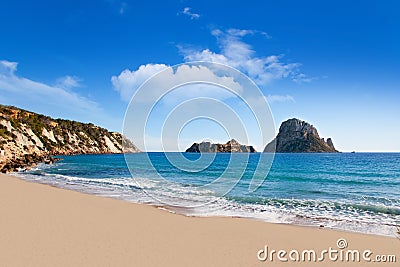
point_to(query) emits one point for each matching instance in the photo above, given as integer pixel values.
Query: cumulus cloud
(40, 97)
(186, 11)
(233, 51)
(239, 54)
(127, 82)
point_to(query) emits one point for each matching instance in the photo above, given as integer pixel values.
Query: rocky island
(232, 146)
(27, 138)
(296, 136)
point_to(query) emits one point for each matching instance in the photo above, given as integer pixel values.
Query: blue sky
(335, 63)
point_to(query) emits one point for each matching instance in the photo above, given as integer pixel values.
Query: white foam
(304, 212)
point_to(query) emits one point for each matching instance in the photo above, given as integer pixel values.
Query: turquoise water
(356, 192)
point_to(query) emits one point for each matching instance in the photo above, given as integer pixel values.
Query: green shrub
(3, 132)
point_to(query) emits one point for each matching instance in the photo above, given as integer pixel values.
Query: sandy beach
(45, 226)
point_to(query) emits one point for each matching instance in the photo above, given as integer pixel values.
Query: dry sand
(46, 226)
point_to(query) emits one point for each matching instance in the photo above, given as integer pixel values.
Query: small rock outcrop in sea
(296, 136)
(27, 138)
(232, 146)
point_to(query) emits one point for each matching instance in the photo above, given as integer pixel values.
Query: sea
(357, 192)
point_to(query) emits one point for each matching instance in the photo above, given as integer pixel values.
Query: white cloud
(127, 82)
(239, 54)
(233, 52)
(279, 98)
(203, 55)
(43, 98)
(68, 82)
(8, 67)
(186, 11)
(302, 78)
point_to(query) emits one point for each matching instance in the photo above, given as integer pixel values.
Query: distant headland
(232, 146)
(297, 136)
(27, 138)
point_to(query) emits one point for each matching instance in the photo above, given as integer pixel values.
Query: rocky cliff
(232, 146)
(299, 136)
(27, 137)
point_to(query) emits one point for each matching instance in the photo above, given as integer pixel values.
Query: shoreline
(301, 221)
(172, 211)
(43, 225)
